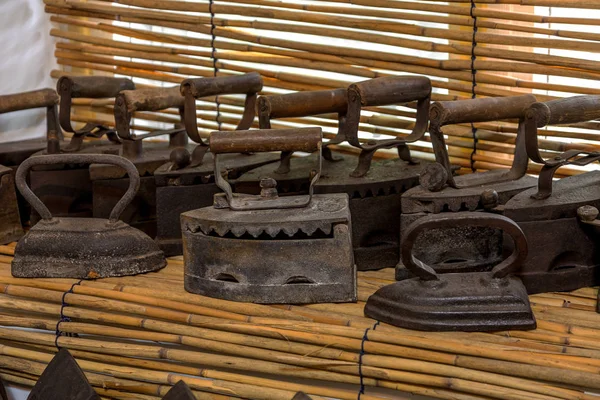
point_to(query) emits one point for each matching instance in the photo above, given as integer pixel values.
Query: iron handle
(36, 203)
(203, 87)
(391, 90)
(479, 110)
(452, 220)
(302, 104)
(24, 101)
(265, 140)
(566, 111)
(94, 87)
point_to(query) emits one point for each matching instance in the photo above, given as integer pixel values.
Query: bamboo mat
(136, 336)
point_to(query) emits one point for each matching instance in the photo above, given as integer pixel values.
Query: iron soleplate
(474, 302)
(374, 199)
(84, 248)
(291, 256)
(178, 191)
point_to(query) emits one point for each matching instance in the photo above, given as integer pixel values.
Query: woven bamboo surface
(137, 336)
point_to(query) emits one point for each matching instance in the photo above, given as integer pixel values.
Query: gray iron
(86, 248)
(374, 188)
(265, 248)
(468, 301)
(480, 247)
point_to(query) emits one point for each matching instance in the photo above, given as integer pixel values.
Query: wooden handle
(94, 87)
(391, 90)
(479, 110)
(154, 99)
(566, 111)
(302, 104)
(202, 87)
(264, 140)
(27, 100)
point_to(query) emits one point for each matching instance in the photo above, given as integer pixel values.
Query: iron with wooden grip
(264, 140)
(386, 91)
(191, 89)
(556, 112)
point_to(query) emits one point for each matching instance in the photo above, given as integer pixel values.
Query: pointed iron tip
(63, 380)
(301, 396)
(181, 391)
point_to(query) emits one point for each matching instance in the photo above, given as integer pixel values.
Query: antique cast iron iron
(180, 391)
(63, 379)
(440, 192)
(559, 218)
(109, 183)
(66, 189)
(14, 212)
(187, 181)
(459, 301)
(62, 247)
(265, 248)
(374, 188)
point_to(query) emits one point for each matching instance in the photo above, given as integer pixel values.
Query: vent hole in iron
(226, 278)
(297, 280)
(281, 235)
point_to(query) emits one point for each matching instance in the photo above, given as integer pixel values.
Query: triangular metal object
(181, 391)
(301, 396)
(63, 379)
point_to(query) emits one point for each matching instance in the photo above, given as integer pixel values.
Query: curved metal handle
(468, 218)
(570, 110)
(36, 203)
(26, 100)
(383, 91)
(192, 89)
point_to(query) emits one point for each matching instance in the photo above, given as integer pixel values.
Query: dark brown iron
(374, 188)
(11, 229)
(559, 218)
(180, 391)
(440, 191)
(63, 379)
(301, 396)
(84, 248)
(187, 181)
(109, 183)
(470, 301)
(265, 248)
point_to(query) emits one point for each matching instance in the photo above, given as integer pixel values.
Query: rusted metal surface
(270, 249)
(186, 182)
(374, 187)
(468, 301)
(441, 192)
(109, 183)
(301, 396)
(84, 248)
(10, 221)
(93, 87)
(562, 236)
(63, 379)
(180, 391)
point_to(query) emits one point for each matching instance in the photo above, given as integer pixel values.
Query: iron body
(10, 221)
(86, 248)
(180, 391)
(109, 183)
(265, 248)
(462, 301)
(374, 187)
(66, 189)
(301, 396)
(187, 182)
(559, 218)
(63, 379)
(470, 248)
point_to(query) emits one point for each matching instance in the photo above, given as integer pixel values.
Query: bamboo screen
(468, 49)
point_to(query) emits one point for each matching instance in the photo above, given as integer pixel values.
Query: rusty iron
(440, 192)
(559, 218)
(66, 189)
(109, 183)
(11, 228)
(301, 396)
(492, 300)
(180, 391)
(265, 248)
(63, 379)
(375, 187)
(186, 182)
(86, 248)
